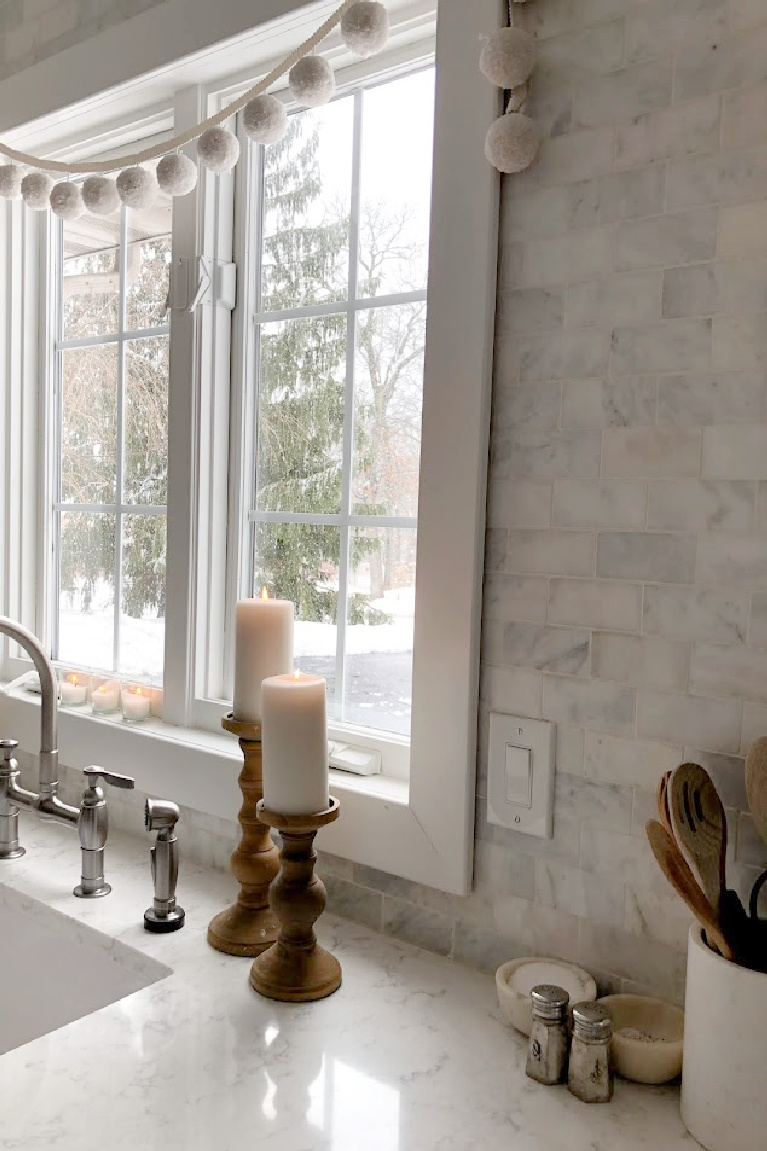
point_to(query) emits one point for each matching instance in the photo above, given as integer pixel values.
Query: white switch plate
(520, 774)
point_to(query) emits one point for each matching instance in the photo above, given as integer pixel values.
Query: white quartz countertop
(409, 1055)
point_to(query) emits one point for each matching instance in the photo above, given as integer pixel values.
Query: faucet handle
(94, 774)
(7, 747)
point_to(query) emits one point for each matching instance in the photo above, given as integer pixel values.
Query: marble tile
(583, 51)
(427, 929)
(644, 661)
(629, 762)
(761, 507)
(353, 902)
(528, 407)
(712, 398)
(495, 549)
(545, 455)
(634, 957)
(518, 504)
(740, 342)
(530, 309)
(657, 914)
(644, 809)
(701, 505)
(560, 16)
(754, 725)
(743, 229)
(595, 897)
(659, 29)
(565, 355)
(589, 703)
(721, 178)
(485, 949)
(509, 597)
(740, 561)
(599, 504)
(595, 603)
(749, 848)
(403, 889)
(696, 614)
(652, 556)
(571, 159)
(728, 773)
(757, 623)
(709, 723)
(617, 196)
(597, 803)
(623, 95)
(576, 255)
(557, 649)
(569, 749)
(739, 61)
(728, 286)
(612, 300)
(674, 346)
(746, 14)
(555, 933)
(565, 845)
(645, 452)
(499, 871)
(509, 268)
(744, 117)
(681, 130)
(729, 670)
(514, 690)
(608, 852)
(735, 452)
(551, 552)
(530, 215)
(678, 238)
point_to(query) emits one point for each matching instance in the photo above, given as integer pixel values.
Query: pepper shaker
(547, 1049)
(591, 1070)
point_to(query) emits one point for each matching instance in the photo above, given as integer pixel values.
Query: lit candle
(106, 697)
(263, 647)
(73, 689)
(295, 744)
(137, 703)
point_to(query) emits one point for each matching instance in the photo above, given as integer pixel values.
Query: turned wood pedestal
(250, 926)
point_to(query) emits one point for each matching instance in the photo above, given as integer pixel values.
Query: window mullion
(120, 430)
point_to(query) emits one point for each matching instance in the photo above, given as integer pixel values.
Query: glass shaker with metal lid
(547, 1049)
(591, 1072)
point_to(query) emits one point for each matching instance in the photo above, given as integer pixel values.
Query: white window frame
(422, 830)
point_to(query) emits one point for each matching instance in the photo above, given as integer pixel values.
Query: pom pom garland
(10, 181)
(218, 149)
(508, 57)
(36, 191)
(512, 142)
(100, 195)
(177, 174)
(136, 187)
(312, 82)
(365, 27)
(66, 201)
(265, 120)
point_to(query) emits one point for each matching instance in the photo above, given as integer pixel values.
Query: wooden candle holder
(296, 969)
(250, 926)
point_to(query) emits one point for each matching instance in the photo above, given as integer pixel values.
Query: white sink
(53, 970)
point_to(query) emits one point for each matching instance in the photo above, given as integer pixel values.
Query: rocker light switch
(520, 774)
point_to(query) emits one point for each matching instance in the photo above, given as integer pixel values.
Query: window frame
(431, 820)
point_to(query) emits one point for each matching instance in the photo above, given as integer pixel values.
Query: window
(111, 446)
(341, 264)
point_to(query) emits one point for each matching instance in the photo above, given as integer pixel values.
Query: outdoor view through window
(112, 401)
(342, 258)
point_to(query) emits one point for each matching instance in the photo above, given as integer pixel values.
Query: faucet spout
(49, 754)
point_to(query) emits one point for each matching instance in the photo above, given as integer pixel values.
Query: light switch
(519, 775)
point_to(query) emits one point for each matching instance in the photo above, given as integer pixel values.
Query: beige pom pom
(10, 181)
(137, 187)
(66, 201)
(512, 142)
(176, 174)
(365, 27)
(265, 120)
(100, 195)
(219, 149)
(508, 57)
(36, 191)
(312, 82)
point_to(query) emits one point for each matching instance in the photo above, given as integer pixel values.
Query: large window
(342, 265)
(111, 450)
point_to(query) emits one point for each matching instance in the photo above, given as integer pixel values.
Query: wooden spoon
(663, 811)
(674, 867)
(756, 785)
(699, 826)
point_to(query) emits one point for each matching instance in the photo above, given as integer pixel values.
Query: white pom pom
(136, 187)
(219, 149)
(177, 174)
(512, 142)
(312, 82)
(508, 57)
(10, 181)
(66, 201)
(265, 119)
(36, 191)
(100, 195)
(365, 27)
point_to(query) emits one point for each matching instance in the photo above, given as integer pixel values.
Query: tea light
(73, 689)
(263, 647)
(137, 703)
(106, 697)
(294, 735)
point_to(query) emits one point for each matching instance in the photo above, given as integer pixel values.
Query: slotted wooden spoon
(699, 826)
(663, 812)
(756, 785)
(681, 878)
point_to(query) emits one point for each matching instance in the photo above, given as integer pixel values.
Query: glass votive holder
(74, 687)
(156, 697)
(136, 702)
(105, 696)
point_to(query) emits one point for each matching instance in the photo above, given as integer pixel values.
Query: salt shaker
(547, 1049)
(591, 1071)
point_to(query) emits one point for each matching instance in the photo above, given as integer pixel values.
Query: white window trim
(424, 833)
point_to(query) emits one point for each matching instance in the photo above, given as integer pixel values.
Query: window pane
(379, 645)
(148, 274)
(91, 277)
(397, 146)
(142, 622)
(86, 589)
(89, 424)
(146, 421)
(307, 189)
(301, 415)
(388, 403)
(300, 562)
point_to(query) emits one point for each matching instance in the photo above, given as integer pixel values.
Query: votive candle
(263, 647)
(106, 697)
(73, 689)
(137, 703)
(294, 737)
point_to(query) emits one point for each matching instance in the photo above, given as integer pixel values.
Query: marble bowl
(515, 980)
(648, 1038)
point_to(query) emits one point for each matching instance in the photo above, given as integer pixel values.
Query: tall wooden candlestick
(250, 926)
(296, 969)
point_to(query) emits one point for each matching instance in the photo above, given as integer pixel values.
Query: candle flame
(138, 691)
(264, 592)
(73, 678)
(101, 690)
(296, 674)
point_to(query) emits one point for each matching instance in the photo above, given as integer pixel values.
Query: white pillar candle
(106, 697)
(137, 703)
(295, 744)
(263, 647)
